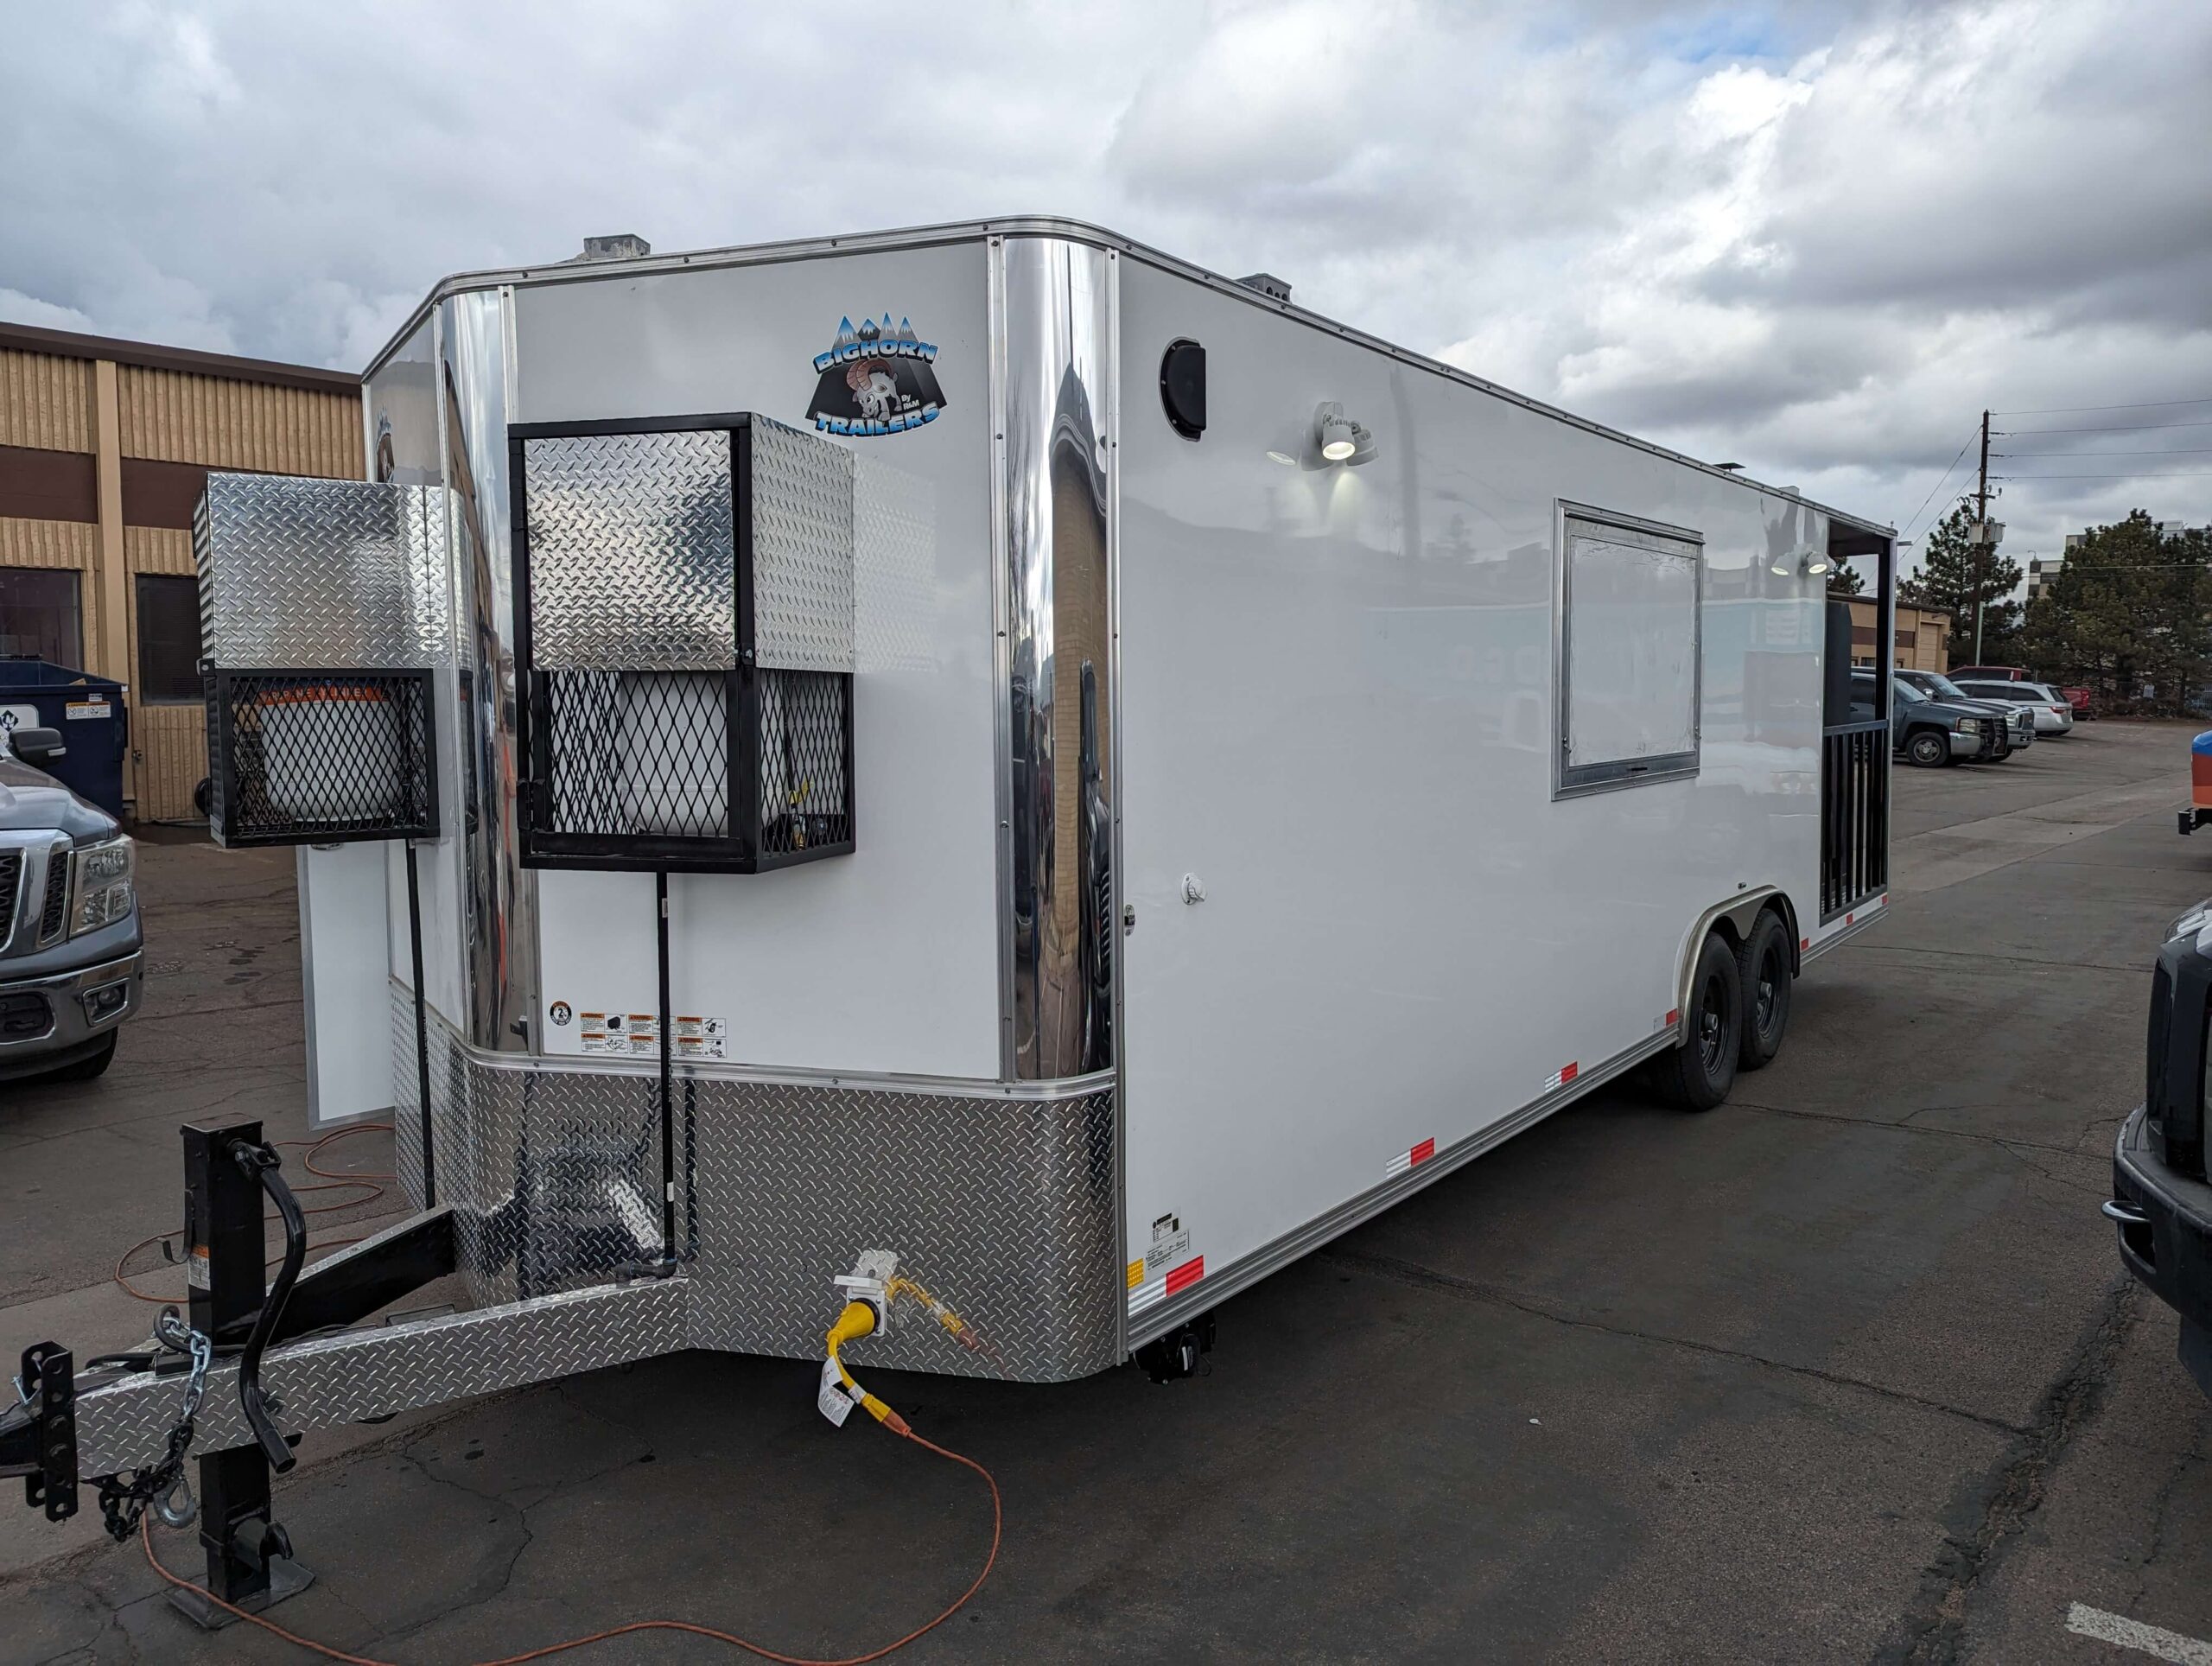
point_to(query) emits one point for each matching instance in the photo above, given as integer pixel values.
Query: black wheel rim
(1712, 1023)
(1768, 998)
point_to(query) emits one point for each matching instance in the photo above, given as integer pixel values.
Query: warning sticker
(1171, 1241)
(831, 1399)
(700, 1038)
(630, 1035)
(73, 710)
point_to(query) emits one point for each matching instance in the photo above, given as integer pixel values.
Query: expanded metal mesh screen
(804, 723)
(633, 754)
(317, 757)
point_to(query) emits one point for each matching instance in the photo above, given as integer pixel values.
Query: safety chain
(163, 1485)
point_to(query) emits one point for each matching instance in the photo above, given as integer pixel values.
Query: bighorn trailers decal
(875, 381)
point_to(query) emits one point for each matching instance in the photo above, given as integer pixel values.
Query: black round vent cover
(1183, 388)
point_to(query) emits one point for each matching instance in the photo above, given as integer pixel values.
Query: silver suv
(70, 965)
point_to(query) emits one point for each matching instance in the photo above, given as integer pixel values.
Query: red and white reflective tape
(1562, 1075)
(1412, 1159)
(1153, 1292)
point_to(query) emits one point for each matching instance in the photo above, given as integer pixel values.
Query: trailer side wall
(1337, 709)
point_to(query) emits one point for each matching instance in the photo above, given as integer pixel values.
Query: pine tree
(2128, 610)
(1845, 579)
(1954, 575)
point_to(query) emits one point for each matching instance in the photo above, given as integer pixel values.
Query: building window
(1629, 603)
(38, 614)
(168, 639)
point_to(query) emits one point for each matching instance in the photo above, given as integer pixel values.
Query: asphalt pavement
(1844, 1369)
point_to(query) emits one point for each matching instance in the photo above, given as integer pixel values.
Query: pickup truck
(1929, 733)
(70, 960)
(2160, 1200)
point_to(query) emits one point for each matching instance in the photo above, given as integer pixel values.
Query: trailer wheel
(1763, 970)
(1929, 749)
(1698, 1074)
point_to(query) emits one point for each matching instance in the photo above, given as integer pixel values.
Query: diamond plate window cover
(320, 756)
(684, 601)
(313, 572)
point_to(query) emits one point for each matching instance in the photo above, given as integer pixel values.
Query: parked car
(2052, 711)
(2082, 701)
(2017, 727)
(2160, 1201)
(70, 971)
(1927, 733)
(1990, 673)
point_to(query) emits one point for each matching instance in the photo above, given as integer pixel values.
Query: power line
(2140, 404)
(2102, 427)
(2168, 451)
(2136, 475)
(1938, 486)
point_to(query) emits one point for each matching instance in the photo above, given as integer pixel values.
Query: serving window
(1628, 612)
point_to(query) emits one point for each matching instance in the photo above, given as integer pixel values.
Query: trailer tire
(1762, 970)
(1928, 749)
(1698, 1074)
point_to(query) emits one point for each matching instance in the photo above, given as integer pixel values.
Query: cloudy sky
(1814, 238)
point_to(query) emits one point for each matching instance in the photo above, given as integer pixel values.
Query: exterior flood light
(1815, 565)
(1339, 439)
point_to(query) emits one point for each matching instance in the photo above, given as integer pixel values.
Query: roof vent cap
(1267, 284)
(623, 245)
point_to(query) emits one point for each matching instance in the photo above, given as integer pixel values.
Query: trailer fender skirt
(381, 1369)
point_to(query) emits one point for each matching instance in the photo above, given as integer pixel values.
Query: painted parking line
(2124, 1633)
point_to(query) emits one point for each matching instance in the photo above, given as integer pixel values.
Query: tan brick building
(1924, 637)
(103, 445)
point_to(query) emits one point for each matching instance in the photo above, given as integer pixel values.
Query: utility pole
(1981, 538)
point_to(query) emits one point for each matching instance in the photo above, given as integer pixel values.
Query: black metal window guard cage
(320, 756)
(732, 768)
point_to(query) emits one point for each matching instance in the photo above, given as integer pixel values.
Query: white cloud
(1815, 240)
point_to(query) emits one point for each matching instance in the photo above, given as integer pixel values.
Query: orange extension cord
(335, 1180)
(899, 1427)
(895, 1423)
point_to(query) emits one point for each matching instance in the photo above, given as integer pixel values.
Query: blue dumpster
(88, 711)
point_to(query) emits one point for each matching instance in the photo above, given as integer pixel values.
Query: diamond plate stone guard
(1005, 1208)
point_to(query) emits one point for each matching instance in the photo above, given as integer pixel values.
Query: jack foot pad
(286, 1579)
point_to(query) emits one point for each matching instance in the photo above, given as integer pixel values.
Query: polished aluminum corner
(1053, 314)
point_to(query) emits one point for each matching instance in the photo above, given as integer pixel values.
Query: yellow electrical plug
(858, 1320)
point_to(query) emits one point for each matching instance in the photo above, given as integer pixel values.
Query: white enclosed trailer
(1142, 778)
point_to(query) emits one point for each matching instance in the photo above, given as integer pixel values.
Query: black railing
(1854, 815)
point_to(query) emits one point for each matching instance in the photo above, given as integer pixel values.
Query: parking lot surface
(1844, 1369)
